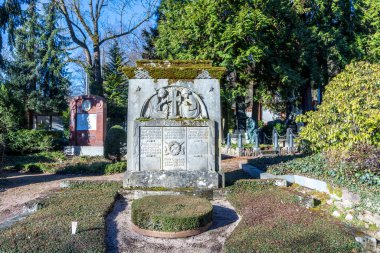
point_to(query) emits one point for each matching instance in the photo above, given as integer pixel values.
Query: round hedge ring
(171, 216)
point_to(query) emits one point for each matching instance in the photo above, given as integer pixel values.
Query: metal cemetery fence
(257, 137)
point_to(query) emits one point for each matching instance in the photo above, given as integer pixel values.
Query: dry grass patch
(274, 222)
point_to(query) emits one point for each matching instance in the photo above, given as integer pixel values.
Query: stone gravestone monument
(88, 116)
(174, 124)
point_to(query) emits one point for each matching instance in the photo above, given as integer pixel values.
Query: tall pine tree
(52, 87)
(115, 86)
(37, 74)
(22, 71)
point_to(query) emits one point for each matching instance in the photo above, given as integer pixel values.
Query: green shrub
(34, 141)
(84, 168)
(33, 168)
(117, 167)
(171, 213)
(279, 125)
(116, 143)
(350, 111)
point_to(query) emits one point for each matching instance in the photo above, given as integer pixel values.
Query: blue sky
(133, 12)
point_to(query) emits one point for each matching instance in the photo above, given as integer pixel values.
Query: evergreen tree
(10, 18)
(37, 74)
(23, 70)
(52, 87)
(115, 86)
(149, 36)
(276, 47)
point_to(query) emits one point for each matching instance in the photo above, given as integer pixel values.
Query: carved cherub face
(161, 93)
(185, 93)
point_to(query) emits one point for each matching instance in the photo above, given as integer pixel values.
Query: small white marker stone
(74, 226)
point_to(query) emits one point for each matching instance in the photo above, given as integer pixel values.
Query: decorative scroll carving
(174, 102)
(204, 75)
(142, 74)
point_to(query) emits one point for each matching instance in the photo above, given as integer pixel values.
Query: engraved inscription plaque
(168, 148)
(197, 146)
(150, 148)
(174, 147)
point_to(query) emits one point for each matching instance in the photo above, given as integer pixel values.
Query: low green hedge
(171, 213)
(56, 162)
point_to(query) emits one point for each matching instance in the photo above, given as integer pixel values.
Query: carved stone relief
(174, 102)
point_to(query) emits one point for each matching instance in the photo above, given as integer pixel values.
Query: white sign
(74, 226)
(86, 122)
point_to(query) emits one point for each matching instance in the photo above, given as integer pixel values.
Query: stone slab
(311, 183)
(172, 179)
(171, 145)
(84, 150)
(142, 90)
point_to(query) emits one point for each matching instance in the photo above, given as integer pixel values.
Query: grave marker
(174, 124)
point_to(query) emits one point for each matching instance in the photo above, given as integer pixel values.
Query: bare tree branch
(127, 32)
(63, 9)
(76, 8)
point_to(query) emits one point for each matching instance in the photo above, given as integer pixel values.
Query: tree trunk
(307, 100)
(240, 113)
(96, 80)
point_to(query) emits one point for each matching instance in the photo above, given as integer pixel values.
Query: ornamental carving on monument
(174, 148)
(174, 102)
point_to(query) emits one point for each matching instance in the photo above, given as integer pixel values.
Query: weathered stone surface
(172, 179)
(369, 243)
(173, 145)
(173, 126)
(336, 214)
(306, 201)
(349, 199)
(349, 217)
(84, 150)
(370, 218)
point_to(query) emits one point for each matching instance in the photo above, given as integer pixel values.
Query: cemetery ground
(256, 217)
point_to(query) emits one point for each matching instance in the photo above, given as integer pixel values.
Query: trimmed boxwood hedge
(171, 213)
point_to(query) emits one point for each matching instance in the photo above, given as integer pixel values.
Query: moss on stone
(143, 119)
(174, 63)
(176, 73)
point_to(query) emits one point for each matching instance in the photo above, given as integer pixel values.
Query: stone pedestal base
(172, 179)
(84, 150)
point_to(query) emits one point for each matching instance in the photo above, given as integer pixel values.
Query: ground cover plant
(338, 172)
(272, 221)
(49, 229)
(171, 213)
(264, 162)
(57, 162)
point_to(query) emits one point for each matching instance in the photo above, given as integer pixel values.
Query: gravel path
(16, 189)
